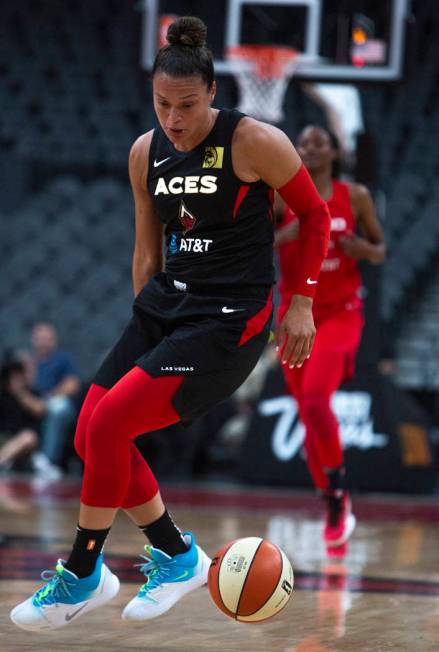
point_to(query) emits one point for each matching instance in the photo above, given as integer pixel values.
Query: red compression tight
(115, 474)
(313, 385)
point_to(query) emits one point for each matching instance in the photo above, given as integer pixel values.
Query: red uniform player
(338, 316)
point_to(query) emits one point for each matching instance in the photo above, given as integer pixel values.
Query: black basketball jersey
(219, 229)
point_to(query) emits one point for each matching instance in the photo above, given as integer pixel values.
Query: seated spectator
(57, 381)
(21, 412)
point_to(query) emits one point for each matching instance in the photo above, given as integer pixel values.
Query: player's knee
(313, 407)
(104, 424)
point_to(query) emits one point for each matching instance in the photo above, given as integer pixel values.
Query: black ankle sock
(165, 535)
(86, 549)
(337, 482)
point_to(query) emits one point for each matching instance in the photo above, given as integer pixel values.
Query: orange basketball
(250, 579)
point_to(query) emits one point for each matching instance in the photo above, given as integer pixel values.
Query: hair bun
(187, 30)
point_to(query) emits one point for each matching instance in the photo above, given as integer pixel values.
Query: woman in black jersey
(204, 180)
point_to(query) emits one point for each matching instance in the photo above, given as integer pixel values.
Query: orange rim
(270, 61)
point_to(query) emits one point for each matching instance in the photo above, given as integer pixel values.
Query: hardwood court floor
(384, 596)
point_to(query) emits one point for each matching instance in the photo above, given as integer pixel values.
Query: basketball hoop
(262, 73)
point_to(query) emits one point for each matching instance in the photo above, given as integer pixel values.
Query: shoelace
(55, 588)
(155, 572)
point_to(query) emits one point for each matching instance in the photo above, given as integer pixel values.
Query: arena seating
(74, 76)
(66, 255)
(74, 99)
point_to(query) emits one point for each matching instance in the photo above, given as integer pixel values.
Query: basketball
(250, 579)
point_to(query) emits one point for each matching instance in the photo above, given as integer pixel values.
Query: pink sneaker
(337, 552)
(340, 522)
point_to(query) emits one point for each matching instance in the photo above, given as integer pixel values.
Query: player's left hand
(354, 246)
(297, 332)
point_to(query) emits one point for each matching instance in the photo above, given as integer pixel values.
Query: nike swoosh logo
(227, 310)
(69, 617)
(181, 577)
(310, 281)
(157, 163)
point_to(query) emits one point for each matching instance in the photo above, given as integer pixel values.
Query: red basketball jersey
(339, 280)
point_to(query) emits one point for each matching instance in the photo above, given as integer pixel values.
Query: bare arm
(32, 403)
(264, 152)
(67, 387)
(18, 388)
(370, 245)
(148, 247)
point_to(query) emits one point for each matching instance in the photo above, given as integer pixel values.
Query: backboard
(340, 40)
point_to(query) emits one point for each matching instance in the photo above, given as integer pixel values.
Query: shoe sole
(337, 552)
(196, 582)
(351, 521)
(112, 589)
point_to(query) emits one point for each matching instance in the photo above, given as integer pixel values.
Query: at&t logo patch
(195, 245)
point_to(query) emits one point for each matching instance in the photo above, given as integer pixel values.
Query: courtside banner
(384, 433)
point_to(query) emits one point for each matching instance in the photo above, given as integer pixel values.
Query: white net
(262, 74)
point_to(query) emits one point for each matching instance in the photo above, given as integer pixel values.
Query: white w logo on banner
(353, 413)
(289, 432)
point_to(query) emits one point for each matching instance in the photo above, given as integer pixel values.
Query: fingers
(306, 351)
(297, 350)
(293, 350)
(298, 357)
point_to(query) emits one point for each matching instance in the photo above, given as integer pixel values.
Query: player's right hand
(296, 334)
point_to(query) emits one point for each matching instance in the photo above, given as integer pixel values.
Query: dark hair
(187, 54)
(8, 367)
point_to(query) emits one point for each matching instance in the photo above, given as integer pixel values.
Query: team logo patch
(287, 587)
(213, 157)
(173, 244)
(338, 224)
(186, 218)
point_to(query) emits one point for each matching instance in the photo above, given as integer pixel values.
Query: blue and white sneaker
(65, 597)
(168, 580)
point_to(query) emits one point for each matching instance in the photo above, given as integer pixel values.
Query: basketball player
(337, 310)
(204, 177)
